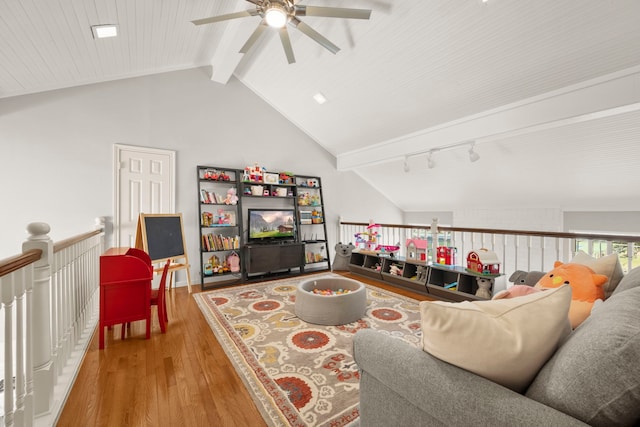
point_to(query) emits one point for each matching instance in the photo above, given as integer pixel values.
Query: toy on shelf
(215, 175)
(417, 249)
(225, 218)
(253, 173)
(387, 249)
(421, 273)
(233, 261)
(232, 197)
(208, 269)
(446, 255)
(485, 285)
(483, 261)
(310, 182)
(368, 240)
(285, 178)
(395, 270)
(316, 217)
(308, 199)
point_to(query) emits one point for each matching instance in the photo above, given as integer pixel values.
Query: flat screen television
(271, 225)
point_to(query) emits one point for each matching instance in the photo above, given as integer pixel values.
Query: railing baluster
(7, 296)
(54, 293)
(519, 250)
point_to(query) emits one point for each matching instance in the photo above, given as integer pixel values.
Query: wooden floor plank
(182, 377)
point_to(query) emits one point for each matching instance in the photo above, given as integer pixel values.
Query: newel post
(43, 372)
(432, 256)
(105, 223)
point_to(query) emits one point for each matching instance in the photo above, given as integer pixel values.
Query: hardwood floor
(181, 378)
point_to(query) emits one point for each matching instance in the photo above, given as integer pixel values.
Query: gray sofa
(592, 379)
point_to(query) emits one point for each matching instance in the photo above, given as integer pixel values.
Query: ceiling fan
(279, 13)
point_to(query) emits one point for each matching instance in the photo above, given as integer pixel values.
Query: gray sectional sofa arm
(402, 385)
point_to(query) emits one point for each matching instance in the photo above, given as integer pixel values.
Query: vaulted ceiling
(549, 90)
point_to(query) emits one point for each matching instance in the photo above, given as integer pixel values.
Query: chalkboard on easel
(162, 237)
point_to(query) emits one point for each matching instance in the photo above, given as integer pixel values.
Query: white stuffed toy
(485, 285)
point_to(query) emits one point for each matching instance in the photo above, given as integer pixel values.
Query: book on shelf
(209, 197)
(218, 242)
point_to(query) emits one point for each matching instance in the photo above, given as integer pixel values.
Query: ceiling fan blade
(333, 12)
(319, 38)
(226, 17)
(286, 44)
(254, 37)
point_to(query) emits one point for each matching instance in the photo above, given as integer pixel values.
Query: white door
(145, 183)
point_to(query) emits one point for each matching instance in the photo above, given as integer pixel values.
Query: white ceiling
(549, 89)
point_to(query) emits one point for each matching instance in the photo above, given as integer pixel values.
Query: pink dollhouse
(416, 249)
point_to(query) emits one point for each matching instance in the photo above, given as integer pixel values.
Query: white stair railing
(49, 309)
(517, 249)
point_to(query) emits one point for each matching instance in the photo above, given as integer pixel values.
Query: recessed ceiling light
(320, 98)
(103, 31)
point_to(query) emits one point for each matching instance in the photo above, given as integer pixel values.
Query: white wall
(603, 222)
(536, 219)
(58, 149)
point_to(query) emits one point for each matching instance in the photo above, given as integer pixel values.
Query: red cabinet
(125, 288)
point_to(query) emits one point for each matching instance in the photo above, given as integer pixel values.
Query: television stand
(272, 258)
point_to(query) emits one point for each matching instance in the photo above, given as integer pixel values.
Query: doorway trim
(117, 149)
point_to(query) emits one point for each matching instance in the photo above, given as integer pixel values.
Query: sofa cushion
(595, 375)
(504, 340)
(608, 265)
(629, 281)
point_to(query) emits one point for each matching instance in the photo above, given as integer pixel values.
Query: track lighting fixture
(430, 163)
(473, 156)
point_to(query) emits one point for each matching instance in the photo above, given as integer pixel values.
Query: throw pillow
(504, 340)
(629, 281)
(595, 375)
(608, 265)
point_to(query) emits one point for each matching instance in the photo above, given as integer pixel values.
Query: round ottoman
(331, 309)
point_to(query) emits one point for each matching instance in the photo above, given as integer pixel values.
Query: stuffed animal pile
(586, 288)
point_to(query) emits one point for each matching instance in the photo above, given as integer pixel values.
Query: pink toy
(516, 291)
(231, 198)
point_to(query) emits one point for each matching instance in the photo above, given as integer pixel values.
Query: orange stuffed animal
(586, 288)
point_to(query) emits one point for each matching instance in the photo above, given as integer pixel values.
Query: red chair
(157, 299)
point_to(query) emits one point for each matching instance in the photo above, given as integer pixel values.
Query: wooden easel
(162, 237)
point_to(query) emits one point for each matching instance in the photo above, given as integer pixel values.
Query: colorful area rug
(299, 374)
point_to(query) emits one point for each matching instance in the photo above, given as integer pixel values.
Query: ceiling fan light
(276, 16)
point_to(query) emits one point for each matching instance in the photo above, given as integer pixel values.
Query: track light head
(430, 163)
(473, 156)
